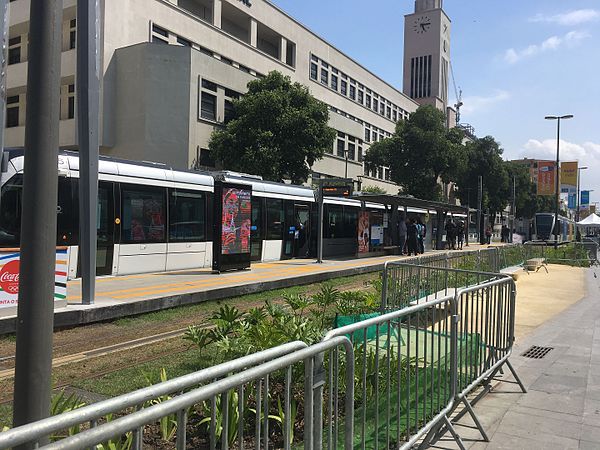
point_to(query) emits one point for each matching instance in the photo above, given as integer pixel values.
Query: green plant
(167, 424)
(297, 303)
(61, 403)
(199, 336)
(233, 410)
(226, 320)
(324, 300)
(121, 443)
(280, 417)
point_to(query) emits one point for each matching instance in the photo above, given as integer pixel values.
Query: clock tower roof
(426, 5)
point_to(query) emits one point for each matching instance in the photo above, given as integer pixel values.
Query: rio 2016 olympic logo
(9, 278)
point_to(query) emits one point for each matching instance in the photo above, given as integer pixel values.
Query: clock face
(422, 25)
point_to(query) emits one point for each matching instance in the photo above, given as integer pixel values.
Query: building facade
(170, 69)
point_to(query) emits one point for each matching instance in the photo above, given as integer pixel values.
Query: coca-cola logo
(9, 277)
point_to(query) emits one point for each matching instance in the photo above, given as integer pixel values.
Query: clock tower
(427, 54)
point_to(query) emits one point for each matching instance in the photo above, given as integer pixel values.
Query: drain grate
(536, 352)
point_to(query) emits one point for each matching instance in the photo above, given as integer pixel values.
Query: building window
(313, 71)
(209, 85)
(367, 135)
(159, 35)
(360, 97)
(341, 148)
(395, 116)
(352, 151)
(71, 102)
(183, 41)
(375, 104)
(324, 77)
(344, 87)
(208, 106)
(12, 111)
(368, 101)
(360, 154)
(14, 50)
(72, 34)
(229, 111)
(334, 82)
(352, 92)
(381, 108)
(388, 112)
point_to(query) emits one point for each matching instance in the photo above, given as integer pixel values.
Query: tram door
(296, 231)
(105, 226)
(256, 230)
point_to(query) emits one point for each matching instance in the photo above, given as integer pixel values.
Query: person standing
(460, 234)
(450, 234)
(421, 233)
(401, 235)
(488, 235)
(411, 233)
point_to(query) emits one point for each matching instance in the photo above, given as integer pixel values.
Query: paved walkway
(562, 407)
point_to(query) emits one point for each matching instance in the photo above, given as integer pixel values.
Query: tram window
(187, 218)
(10, 212)
(275, 218)
(350, 222)
(143, 214)
(335, 222)
(67, 220)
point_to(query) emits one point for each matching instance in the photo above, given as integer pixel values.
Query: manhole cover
(536, 352)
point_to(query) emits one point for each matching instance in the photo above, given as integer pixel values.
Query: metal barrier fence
(392, 380)
(580, 254)
(95, 413)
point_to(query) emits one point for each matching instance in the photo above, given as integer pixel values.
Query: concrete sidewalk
(562, 407)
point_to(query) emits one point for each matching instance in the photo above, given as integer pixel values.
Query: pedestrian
(488, 235)
(401, 235)
(460, 234)
(421, 233)
(450, 234)
(411, 234)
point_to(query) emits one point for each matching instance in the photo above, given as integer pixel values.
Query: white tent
(593, 220)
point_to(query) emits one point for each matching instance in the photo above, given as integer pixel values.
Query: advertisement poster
(546, 175)
(236, 221)
(9, 277)
(585, 199)
(363, 232)
(377, 235)
(572, 199)
(568, 177)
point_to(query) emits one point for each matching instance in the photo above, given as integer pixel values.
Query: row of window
(17, 43)
(13, 106)
(208, 101)
(327, 75)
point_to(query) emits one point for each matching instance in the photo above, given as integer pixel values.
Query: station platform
(137, 294)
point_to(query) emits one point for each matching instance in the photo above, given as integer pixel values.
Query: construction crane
(458, 94)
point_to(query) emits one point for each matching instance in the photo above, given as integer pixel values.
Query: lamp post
(578, 192)
(557, 173)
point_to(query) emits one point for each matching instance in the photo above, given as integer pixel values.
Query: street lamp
(579, 192)
(556, 176)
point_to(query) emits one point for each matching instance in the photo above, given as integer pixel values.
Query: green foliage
(373, 190)
(120, 443)
(61, 403)
(278, 131)
(421, 152)
(233, 410)
(280, 417)
(167, 424)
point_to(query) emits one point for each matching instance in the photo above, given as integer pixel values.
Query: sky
(515, 61)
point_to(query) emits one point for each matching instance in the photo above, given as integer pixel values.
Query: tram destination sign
(337, 187)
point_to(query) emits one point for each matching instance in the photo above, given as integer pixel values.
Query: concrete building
(170, 69)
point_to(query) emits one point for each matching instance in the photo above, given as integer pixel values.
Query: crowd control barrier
(393, 380)
(579, 254)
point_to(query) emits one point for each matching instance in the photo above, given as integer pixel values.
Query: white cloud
(571, 18)
(481, 103)
(512, 56)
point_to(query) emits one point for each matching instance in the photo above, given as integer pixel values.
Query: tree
(373, 190)
(484, 158)
(278, 130)
(421, 152)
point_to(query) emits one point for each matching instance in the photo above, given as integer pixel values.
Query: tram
(544, 228)
(154, 219)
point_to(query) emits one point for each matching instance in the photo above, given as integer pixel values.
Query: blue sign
(572, 201)
(585, 199)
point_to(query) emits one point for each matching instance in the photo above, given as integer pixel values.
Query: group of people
(455, 234)
(412, 234)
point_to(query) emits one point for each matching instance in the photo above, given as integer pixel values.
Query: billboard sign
(568, 177)
(9, 277)
(546, 183)
(585, 199)
(231, 241)
(572, 201)
(363, 231)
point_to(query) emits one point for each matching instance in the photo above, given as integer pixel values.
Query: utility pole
(514, 209)
(479, 207)
(320, 224)
(88, 106)
(4, 26)
(38, 223)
